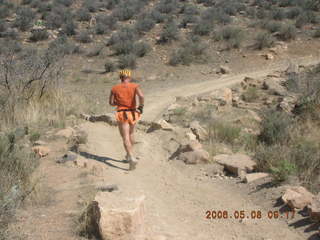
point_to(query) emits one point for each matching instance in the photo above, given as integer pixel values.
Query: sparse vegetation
(264, 40)
(250, 95)
(39, 35)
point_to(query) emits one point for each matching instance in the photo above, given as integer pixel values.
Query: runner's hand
(140, 108)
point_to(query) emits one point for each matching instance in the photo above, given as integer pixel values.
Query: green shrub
(109, 66)
(167, 6)
(84, 37)
(66, 3)
(288, 32)
(34, 136)
(188, 19)
(124, 12)
(317, 33)
(272, 26)
(127, 61)
(69, 28)
(107, 21)
(144, 24)
(181, 56)
(278, 14)
(140, 49)
(39, 35)
(264, 40)
(123, 35)
(91, 5)
(95, 51)
(275, 128)
(101, 29)
(233, 35)
(170, 32)
(223, 132)
(25, 18)
(250, 95)
(83, 15)
(157, 16)
(203, 28)
(122, 47)
(294, 12)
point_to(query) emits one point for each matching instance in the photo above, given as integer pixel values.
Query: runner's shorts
(130, 117)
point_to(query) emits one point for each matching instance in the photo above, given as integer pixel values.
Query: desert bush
(10, 34)
(167, 6)
(63, 46)
(3, 27)
(222, 18)
(25, 18)
(203, 28)
(66, 3)
(278, 14)
(109, 66)
(287, 32)
(207, 3)
(69, 28)
(264, 40)
(34, 136)
(293, 12)
(223, 132)
(110, 4)
(127, 61)
(144, 24)
(180, 56)
(122, 47)
(124, 12)
(140, 49)
(287, 3)
(305, 18)
(272, 26)
(275, 159)
(250, 95)
(39, 35)
(83, 15)
(233, 35)
(53, 20)
(189, 9)
(44, 7)
(188, 19)
(91, 5)
(84, 37)
(107, 21)
(157, 16)
(17, 165)
(170, 32)
(275, 127)
(125, 34)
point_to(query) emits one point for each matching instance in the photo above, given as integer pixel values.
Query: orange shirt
(124, 95)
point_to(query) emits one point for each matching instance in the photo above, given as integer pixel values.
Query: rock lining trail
(177, 195)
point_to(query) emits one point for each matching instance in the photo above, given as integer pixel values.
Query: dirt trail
(158, 101)
(177, 196)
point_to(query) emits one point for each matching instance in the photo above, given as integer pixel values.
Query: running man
(123, 96)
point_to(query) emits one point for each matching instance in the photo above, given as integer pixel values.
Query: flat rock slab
(297, 197)
(236, 163)
(251, 177)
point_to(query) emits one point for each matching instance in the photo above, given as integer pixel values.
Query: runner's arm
(111, 99)
(141, 96)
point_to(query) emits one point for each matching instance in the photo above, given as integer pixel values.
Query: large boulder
(297, 197)
(195, 157)
(115, 216)
(200, 133)
(237, 164)
(314, 209)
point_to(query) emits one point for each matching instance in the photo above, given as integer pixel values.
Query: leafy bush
(203, 28)
(91, 5)
(294, 12)
(157, 16)
(84, 37)
(39, 35)
(83, 15)
(66, 3)
(3, 27)
(278, 14)
(140, 49)
(144, 24)
(233, 35)
(24, 20)
(272, 26)
(122, 47)
(188, 19)
(69, 28)
(65, 47)
(101, 29)
(264, 40)
(250, 95)
(95, 51)
(109, 66)
(181, 56)
(275, 128)
(189, 9)
(167, 6)
(34, 136)
(287, 32)
(109, 22)
(125, 34)
(127, 61)
(223, 132)
(170, 32)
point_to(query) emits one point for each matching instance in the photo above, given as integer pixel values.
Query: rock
(250, 82)
(254, 115)
(236, 162)
(224, 70)
(193, 145)
(214, 169)
(314, 209)
(292, 69)
(190, 136)
(274, 87)
(65, 133)
(269, 56)
(297, 197)
(41, 151)
(108, 118)
(70, 156)
(108, 188)
(39, 143)
(251, 177)
(115, 216)
(161, 124)
(200, 133)
(195, 157)
(223, 96)
(288, 104)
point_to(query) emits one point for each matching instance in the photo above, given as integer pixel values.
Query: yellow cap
(125, 73)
